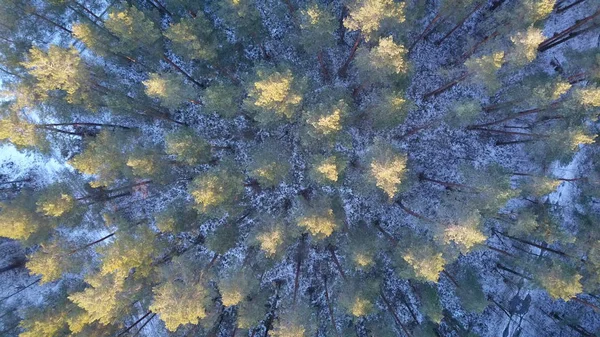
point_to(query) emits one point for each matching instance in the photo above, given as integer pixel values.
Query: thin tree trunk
(92, 243)
(534, 135)
(445, 87)
(86, 124)
(134, 324)
(324, 71)
(498, 143)
(511, 117)
(447, 184)
(34, 13)
(557, 36)
(79, 134)
(344, 69)
(586, 303)
(499, 250)
(386, 234)
(330, 307)
(569, 37)
(561, 9)
(411, 212)
(188, 76)
(501, 266)
(425, 31)
(15, 181)
(143, 325)
(472, 51)
(533, 244)
(394, 314)
(298, 264)
(18, 263)
(458, 25)
(20, 290)
(445, 273)
(336, 261)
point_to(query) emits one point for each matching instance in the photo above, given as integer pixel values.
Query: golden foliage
(179, 304)
(466, 236)
(426, 263)
(320, 225)
(388, 173)
(526, 44)
(361, 307)
(561, 284)
(369, 15)
(275, 94)
(270, 241)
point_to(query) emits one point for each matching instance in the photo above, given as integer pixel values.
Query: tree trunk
(86, 124)
(134, 324)
(445, 273)
(18, 263)
(143, 325)
(324, 71)
(534, 135)
(560, 9)
(533, 244)
(411, 212)
(458, 25)
(330, 307)
(92, 243)
(20, 290)
(336, 261)
(344, 69)
(15, 181)
(445, 87)
(425, 31)
(557, 36)
(394, 314)
(448, 185)
(188, 76)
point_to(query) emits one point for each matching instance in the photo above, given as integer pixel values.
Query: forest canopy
(299, 168)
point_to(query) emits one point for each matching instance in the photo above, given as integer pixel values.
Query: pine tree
(19, 219)
(317, 25)
(217, 191)
(370, 17)
(149, 164)
(103, 158)
(484, 70)
(559, 279)
(525, 46)
(223, 99)
(56, 200)
(224, 238)
(270, 164)
(387, 168)
(129, 251)
(326, 170)
(359, 296)
(188, 147)
(382, 61)
(170, 89)
(470, 293)
(60, 69)
(178, 303)
(133, 29)
(236, 287)
(274, 95)
(430, 302)
(102, 301)
(193, 38)
(318, 219)
(390, 110)
(51, 261)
